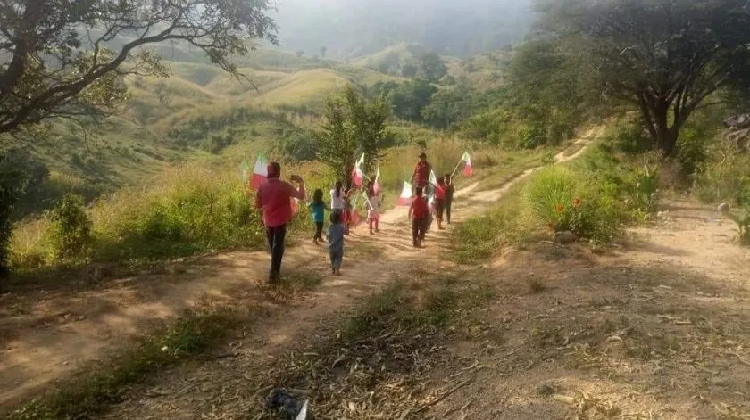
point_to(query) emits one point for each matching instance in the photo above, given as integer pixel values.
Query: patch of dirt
(659, 331)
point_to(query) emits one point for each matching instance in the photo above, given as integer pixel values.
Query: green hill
(197, 113)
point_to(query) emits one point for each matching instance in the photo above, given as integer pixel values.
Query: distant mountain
(349, 28)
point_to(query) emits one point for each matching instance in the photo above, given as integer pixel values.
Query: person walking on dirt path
(440, 202)
(421, 175)
(337, 198)
(373, 208)
(274, 198)
(318, 208)
(418, 213)
(450, 190)
(336, 233)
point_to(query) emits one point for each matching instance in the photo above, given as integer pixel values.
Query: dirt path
(48, 336)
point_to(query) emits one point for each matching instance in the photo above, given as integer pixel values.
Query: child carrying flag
(450, 190)
(336, 233)
(318, 208)
(440, 201)
(418, 213)
(373, 208)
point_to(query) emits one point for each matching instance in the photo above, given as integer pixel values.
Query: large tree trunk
(657, 121)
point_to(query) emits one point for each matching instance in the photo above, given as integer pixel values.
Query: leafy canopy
(667, 57)
(353, 126)
(67, 58)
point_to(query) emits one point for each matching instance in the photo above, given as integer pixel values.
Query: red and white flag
(357, 174)
(466, 158)
(260, 171)
(405, 198)
(376, 184)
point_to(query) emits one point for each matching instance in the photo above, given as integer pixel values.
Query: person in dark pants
(274, 197)
(421, 175)
(449, 191)
(418, 213)
(318, 208)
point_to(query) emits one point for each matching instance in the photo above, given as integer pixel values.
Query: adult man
(421, 175)
(274, 198)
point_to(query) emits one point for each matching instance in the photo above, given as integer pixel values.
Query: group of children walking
(421, 209)
(343, 214)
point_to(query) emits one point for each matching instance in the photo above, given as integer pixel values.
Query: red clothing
(440, 192)
(274, 197)
(419, 208)
(421, 173)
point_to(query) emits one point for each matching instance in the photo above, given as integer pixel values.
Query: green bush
(742, 219)
(631, 138)
(191, 216)
(692, 150)
(726, 177)
(70, 228)
(564, 200)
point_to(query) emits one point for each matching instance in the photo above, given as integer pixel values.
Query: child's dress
(336, 245)
(373, 209)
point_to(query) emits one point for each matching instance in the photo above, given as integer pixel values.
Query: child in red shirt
(440, 190)
(418, 212)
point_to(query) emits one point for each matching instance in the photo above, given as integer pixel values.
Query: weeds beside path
(90, 326)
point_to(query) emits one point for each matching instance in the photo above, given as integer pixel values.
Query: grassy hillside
(197, 113)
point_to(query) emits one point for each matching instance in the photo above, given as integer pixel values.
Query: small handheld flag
(466, 158)
(405, 198)
(376, 184)
(357, 174)
(293, 205)
(260, 171)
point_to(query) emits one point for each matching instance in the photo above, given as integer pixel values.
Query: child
(418, 213)
(336, 243)
(449, 191)
(318, 208)
(440, 201)
(337, 198)
(373, 209)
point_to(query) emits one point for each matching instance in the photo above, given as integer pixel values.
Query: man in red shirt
(421, 175)
(418, 213)
(274, 197)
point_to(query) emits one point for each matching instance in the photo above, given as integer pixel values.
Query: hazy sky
(351, 26)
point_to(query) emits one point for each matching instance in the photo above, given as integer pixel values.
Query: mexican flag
(376, 184)
(405, 198)
(433, 178)
(357, 174)
(466, 158)
(260, 171)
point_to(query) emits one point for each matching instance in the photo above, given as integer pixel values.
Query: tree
(353, 126)
(409, 70)
(407, 99)
(67, 58)
(20, 173)
(432, 67)
(447, 107)
(548, 92)
(666, 57)
(323, 51)
(299, 53)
